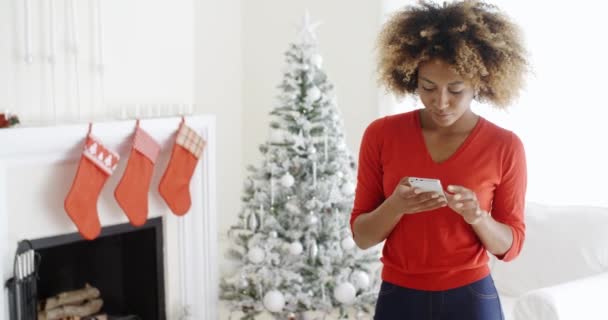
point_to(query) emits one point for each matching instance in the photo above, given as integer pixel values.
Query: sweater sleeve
(509, 197)
(369, 193)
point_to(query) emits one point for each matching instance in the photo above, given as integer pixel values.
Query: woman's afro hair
(478, 40)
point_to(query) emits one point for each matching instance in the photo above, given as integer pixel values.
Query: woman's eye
(450, 91)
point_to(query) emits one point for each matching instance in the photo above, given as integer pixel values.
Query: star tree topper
(307, 29)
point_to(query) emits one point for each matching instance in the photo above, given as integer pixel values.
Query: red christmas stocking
(174, 186)
(96, 164)
(132, 190)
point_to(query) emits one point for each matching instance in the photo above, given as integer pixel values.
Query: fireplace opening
(125, 264)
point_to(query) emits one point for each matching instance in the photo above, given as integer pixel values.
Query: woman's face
(445, 94)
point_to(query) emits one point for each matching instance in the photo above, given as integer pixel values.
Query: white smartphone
(426, 184)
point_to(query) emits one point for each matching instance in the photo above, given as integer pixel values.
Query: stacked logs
(72, 305)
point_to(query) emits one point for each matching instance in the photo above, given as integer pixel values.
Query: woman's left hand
(464, 202)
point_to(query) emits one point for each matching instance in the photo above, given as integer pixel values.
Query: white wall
(5, 48)
(146, 50)
(218, 88)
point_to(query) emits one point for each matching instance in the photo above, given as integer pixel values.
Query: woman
(435, 262)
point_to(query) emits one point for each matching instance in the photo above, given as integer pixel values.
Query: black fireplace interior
(125, 263)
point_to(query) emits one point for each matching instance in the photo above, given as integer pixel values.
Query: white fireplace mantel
(38, 165)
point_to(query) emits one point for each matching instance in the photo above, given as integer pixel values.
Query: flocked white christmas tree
(293, 246)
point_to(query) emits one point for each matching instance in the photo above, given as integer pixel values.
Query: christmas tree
(293, 244)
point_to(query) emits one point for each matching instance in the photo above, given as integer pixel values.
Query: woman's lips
(442, 115)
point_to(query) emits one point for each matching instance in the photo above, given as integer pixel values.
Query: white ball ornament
(314, 94)
(274, 301)
(345, 293)
(347, 243)
(296, 248)
(287, 180)
(256, 255)
(360, 279)
(348, 188)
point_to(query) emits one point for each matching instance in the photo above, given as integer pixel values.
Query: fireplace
(37, 167)
(125, 264)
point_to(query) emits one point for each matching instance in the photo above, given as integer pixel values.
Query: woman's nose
(441, 100)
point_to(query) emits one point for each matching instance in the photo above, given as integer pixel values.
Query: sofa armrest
(578, 299)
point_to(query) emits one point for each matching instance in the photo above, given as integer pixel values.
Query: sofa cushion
(562, 243)
(579, 299)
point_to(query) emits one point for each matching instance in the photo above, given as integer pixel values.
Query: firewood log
(86, 309)
(69, 297)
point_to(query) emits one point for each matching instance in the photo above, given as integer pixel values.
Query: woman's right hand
(408, 199)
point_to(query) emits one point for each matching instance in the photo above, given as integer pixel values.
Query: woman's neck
(463, 125)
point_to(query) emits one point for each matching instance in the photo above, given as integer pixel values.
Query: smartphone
(426, 184)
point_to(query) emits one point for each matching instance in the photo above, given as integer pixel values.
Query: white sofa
(562, 271)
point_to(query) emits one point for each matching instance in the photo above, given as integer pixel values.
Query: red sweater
(438, 250)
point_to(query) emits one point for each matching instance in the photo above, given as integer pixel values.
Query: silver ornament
(252, 222)
(313, 249)
(273, 234)
(323, 295)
